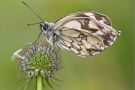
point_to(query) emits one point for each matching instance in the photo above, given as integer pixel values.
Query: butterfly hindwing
(79, 42)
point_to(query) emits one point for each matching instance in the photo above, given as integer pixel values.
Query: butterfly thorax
(47, 29)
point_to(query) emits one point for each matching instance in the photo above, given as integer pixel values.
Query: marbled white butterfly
(83, 33)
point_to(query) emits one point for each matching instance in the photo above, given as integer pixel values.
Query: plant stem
(39, 82)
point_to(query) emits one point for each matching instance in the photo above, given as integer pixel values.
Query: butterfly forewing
(85, 33)
(100, 17)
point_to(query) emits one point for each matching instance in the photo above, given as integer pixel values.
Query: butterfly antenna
(33, 11)
(34, 23)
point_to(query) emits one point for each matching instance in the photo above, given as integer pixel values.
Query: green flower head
(38, 60)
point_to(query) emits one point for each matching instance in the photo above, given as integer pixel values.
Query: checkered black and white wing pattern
(85, 33)
(79, 42)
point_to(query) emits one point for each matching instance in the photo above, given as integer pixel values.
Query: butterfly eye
(43, 26)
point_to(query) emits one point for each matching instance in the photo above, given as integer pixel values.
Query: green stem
(39, 82)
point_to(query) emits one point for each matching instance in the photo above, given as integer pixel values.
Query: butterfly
(83, 33)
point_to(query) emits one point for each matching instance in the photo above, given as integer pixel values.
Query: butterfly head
(44, 26)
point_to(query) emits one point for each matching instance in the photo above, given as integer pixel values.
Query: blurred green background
(109, 70)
